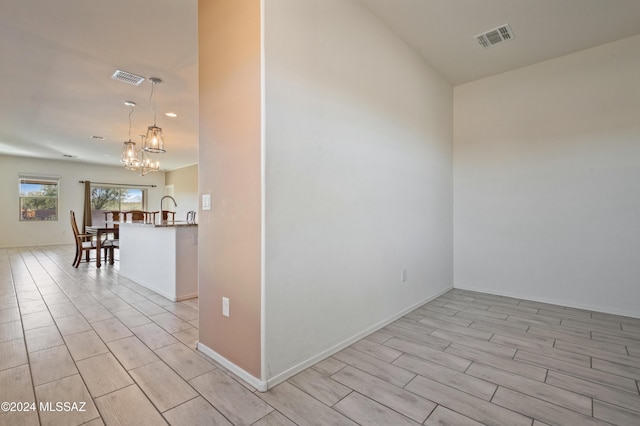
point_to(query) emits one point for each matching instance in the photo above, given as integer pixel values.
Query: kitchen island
(161, 257)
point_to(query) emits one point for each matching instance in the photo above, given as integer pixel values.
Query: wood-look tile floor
(88, 335)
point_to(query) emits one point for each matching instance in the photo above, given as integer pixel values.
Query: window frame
(38, 180)
(121, 188)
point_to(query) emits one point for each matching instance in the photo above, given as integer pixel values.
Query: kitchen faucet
(162, 199)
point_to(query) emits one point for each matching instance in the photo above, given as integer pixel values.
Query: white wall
(546, 181)
(358, 178)
(14, 233)
(185, 184)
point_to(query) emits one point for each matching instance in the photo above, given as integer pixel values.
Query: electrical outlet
(225, 306)
(403, 275)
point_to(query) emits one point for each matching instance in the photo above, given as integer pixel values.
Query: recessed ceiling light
(171, 114)
(100, 138)
(129, 103)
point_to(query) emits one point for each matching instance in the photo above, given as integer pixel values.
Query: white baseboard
(275, 380)
(21, 245)
(186, 297)
(260, 385)
(552, 301)
(148, 287)
(164, 294)
(263, 386)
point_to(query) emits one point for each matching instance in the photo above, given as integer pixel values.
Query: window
(38, 199)
(106, 198)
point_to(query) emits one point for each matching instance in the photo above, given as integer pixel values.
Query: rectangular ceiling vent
(495, 36)
(127, 77)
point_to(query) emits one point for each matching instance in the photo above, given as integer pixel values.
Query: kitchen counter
(161, 257)
(163, 224)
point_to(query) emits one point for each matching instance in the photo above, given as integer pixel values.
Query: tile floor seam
(447, 385)
(26, 349)
(386, 406)
(161, 360)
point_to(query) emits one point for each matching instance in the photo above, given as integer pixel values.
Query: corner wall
(358, 179)
(229, 235)
(546, 172)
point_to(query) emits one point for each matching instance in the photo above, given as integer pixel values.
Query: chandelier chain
(130, 114)
(152, 101)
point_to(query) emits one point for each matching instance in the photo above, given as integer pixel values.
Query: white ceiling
(443, 31)
(56, 91)
(57, 57)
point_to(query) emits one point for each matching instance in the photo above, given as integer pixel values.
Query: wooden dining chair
(150, 217)
(115, 216)
(114, 244)
(85, 243)
(137, 215)
(165, 215)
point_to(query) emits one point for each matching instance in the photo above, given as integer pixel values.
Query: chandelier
(134, 159)
(145, 163)
(154, 141)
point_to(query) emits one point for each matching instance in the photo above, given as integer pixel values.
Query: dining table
(107, 229)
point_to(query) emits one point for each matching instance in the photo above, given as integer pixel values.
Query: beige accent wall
(230, 138)
(185, 183)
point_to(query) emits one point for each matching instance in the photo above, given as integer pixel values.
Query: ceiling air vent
(127, 77)
(495, 36)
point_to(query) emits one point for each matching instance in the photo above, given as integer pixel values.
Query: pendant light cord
(130, 114)
(152, 97)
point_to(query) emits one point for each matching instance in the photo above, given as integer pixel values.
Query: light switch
(206, 201)
(225, 306)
